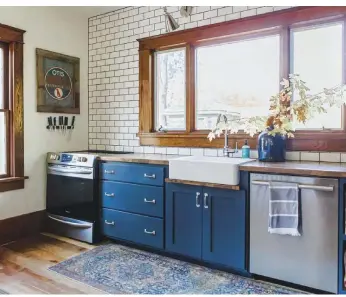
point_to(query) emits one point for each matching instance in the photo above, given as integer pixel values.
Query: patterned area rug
(118, 269)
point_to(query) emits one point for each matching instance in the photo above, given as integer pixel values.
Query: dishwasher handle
(301, 186)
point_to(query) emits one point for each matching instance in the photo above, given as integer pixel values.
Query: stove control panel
(71, 159)
(67, 158)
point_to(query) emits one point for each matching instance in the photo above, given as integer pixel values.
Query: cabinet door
(224, 227)
(184, 220)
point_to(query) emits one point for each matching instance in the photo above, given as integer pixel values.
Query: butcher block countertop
(139, 158)
(306, 168)
(322, 169)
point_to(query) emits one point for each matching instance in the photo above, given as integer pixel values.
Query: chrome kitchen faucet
(226, 150)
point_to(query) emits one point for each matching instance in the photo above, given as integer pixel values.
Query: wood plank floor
(24, 266)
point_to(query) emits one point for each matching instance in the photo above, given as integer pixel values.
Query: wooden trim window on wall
(280, 22)
(11, 106)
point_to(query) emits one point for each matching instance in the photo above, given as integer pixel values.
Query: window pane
(2, 143)
(170, 89)
(237, 79)
(317, 57)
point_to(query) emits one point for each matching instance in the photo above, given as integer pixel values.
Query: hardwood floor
(24, 266)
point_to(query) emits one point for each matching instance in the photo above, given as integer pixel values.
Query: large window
(4, 112)
(223, 81)
(317, 55)
(170, 89)
(188, 77)
(11, 109)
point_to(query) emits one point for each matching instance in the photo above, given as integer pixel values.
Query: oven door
(71, 191)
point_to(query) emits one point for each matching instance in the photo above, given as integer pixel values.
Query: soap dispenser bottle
(245, 150)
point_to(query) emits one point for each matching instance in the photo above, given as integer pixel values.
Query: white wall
(58, 30)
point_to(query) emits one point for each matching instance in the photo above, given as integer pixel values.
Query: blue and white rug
(118, 269)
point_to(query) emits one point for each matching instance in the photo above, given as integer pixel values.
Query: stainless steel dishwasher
(311, 259)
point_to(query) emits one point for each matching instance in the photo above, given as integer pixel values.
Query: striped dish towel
(284, 208)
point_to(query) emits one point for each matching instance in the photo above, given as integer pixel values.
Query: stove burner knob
(83, 159)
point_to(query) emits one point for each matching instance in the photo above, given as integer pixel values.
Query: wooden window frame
(260, 25)
(12, 39)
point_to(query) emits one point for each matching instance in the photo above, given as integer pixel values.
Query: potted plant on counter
(283, 114)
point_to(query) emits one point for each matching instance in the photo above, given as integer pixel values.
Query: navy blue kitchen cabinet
(206, 224)
(184, 220)
(132, 202)
(224, 227)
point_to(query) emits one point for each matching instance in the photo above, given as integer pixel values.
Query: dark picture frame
(58, 82)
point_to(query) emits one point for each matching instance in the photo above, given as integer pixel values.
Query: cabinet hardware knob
(197, 199)
(149, 176)
(109, 194)
(205, 200)
(109, 171)
(149, 232)
(149, 201)
(109, 223)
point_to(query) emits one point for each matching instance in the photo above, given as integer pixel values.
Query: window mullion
(190, 88)
(285, 52)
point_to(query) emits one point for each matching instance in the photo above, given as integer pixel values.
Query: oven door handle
(70, 223)
(70, 171)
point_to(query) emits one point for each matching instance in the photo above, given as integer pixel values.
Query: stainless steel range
(72, 196)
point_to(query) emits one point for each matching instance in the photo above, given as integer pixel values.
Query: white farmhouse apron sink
(217, 170)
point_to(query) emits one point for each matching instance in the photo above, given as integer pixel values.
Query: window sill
(12, 183)
(321, 141)
(195, 139)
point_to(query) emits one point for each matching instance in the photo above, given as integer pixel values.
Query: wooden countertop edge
(204, 184)
(134, 160)
(294, 171)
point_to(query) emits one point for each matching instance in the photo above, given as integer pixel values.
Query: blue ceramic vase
(271, 148)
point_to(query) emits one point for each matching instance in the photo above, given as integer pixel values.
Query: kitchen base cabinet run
(207, 224)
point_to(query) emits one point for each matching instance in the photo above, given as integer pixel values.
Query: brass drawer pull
(149, 232)
(149, 176)
(150, 201)
(109, 223)
(109, 171)
(109, 194)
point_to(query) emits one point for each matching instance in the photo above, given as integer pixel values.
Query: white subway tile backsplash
(184, 151)
(239, 8)
(248, 13)
(310, 156)
(149, 150)
(343, 157)
(293, 156)
(253, 154)
(210, 152)
(172, 151)
(233, 16)
(197, 152)
(330, 157)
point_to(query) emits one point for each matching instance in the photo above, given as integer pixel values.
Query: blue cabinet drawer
(142, 199)
(133, 173)
(132, 227)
